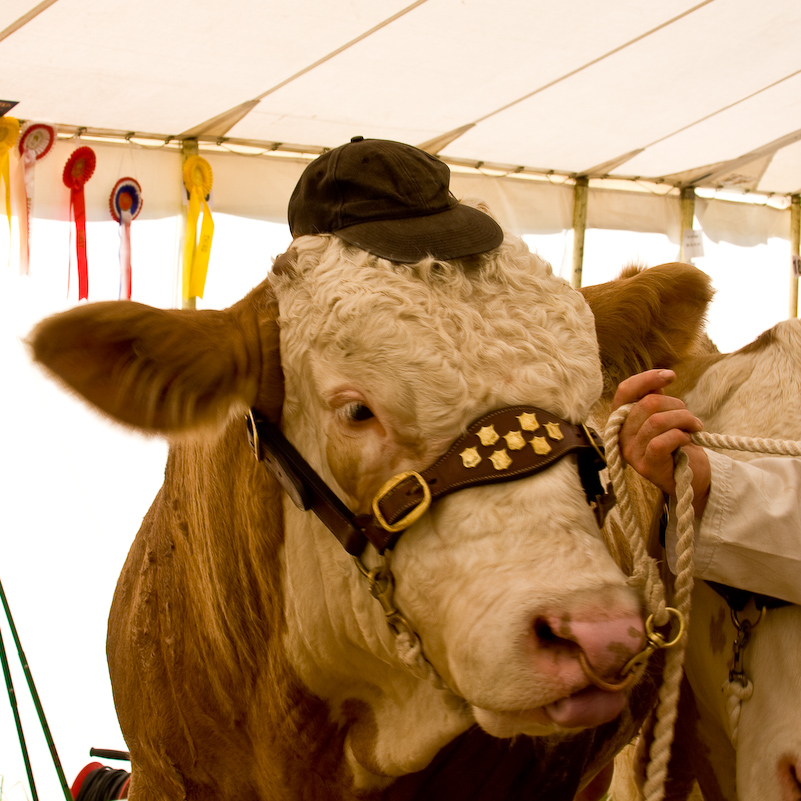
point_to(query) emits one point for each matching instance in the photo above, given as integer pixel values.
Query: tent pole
(687, 215)
(795, 242)
(189, 147)
(580, 196)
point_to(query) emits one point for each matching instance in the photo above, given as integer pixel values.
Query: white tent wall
(76, 486)
(258, 188)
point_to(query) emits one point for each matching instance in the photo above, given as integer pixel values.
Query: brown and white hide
(247, 658)
(752, 393)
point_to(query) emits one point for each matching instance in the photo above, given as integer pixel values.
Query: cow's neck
(241, 617)
(395, 722)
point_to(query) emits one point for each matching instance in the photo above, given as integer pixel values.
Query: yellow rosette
(9, 131)
(197, 180)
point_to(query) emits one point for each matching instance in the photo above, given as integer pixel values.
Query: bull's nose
(607, 637)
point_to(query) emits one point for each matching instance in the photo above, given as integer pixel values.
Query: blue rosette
(126, 198)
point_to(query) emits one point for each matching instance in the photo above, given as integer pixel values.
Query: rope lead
(645, 577)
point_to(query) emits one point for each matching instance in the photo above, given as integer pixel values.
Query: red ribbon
(79, 212)
(77, 171)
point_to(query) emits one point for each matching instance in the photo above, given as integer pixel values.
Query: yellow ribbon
(197, 180)
(9, 131)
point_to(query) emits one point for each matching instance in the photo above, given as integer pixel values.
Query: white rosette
(35, 142)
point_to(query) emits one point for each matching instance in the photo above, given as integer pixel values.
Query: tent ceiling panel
(643, 93)
(165, 67)
(784, 171)
(449, 63)
(733, 132)
(12, 10)
(653, 89)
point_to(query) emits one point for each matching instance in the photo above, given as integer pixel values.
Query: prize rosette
(77, 171)
(34, 144)
(198, 179)
(37, 139)
(9, 131)
(125, 204)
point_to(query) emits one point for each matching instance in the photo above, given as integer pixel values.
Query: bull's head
(381, 367)
(506, 584)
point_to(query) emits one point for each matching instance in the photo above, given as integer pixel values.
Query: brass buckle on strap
(414, 515)
(592, 441)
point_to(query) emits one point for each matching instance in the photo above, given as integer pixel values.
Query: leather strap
(503, 445)
(306, 489)
(738, 599)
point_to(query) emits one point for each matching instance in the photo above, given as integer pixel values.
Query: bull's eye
(358, 412)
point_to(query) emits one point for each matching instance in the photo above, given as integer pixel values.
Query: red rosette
(126, 196)
(79, 167)
(77, 171)
(37, 138)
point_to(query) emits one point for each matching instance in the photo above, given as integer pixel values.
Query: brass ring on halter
(627, 681)
(634, 668)
(657, 639)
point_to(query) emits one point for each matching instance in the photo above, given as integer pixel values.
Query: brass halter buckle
(414, 515)
(633, 669)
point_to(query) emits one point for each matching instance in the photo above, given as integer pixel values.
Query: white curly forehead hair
(438, 339)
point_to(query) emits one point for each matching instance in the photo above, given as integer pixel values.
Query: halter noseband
(504, 445)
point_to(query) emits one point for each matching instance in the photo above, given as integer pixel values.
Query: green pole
(12, 697)
(36, 702)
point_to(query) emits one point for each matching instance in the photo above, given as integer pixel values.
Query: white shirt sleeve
(750, 534)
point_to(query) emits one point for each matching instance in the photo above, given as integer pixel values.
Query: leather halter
(738, 599)
(503, 445)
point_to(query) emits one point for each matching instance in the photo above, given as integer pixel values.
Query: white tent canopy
(680, 90)
(521, 97)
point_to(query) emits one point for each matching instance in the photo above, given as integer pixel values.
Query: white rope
(645, 577)
(736, 693)
(409, 650)
(780, 447)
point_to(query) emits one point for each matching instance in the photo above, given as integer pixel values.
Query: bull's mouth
(587, 708)
(584, 709)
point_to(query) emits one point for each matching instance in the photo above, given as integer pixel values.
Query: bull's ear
(165, 370)
(649, 318)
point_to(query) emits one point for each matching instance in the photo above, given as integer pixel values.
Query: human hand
(655, 428)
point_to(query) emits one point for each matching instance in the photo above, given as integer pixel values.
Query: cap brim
(453, 234)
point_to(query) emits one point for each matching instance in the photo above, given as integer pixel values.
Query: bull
(736, 733)
(248, 656)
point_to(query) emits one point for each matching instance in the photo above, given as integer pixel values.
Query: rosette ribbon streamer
(125, 204)
(77, 171)
(197, 177)
(34, 144)
(9, 130)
